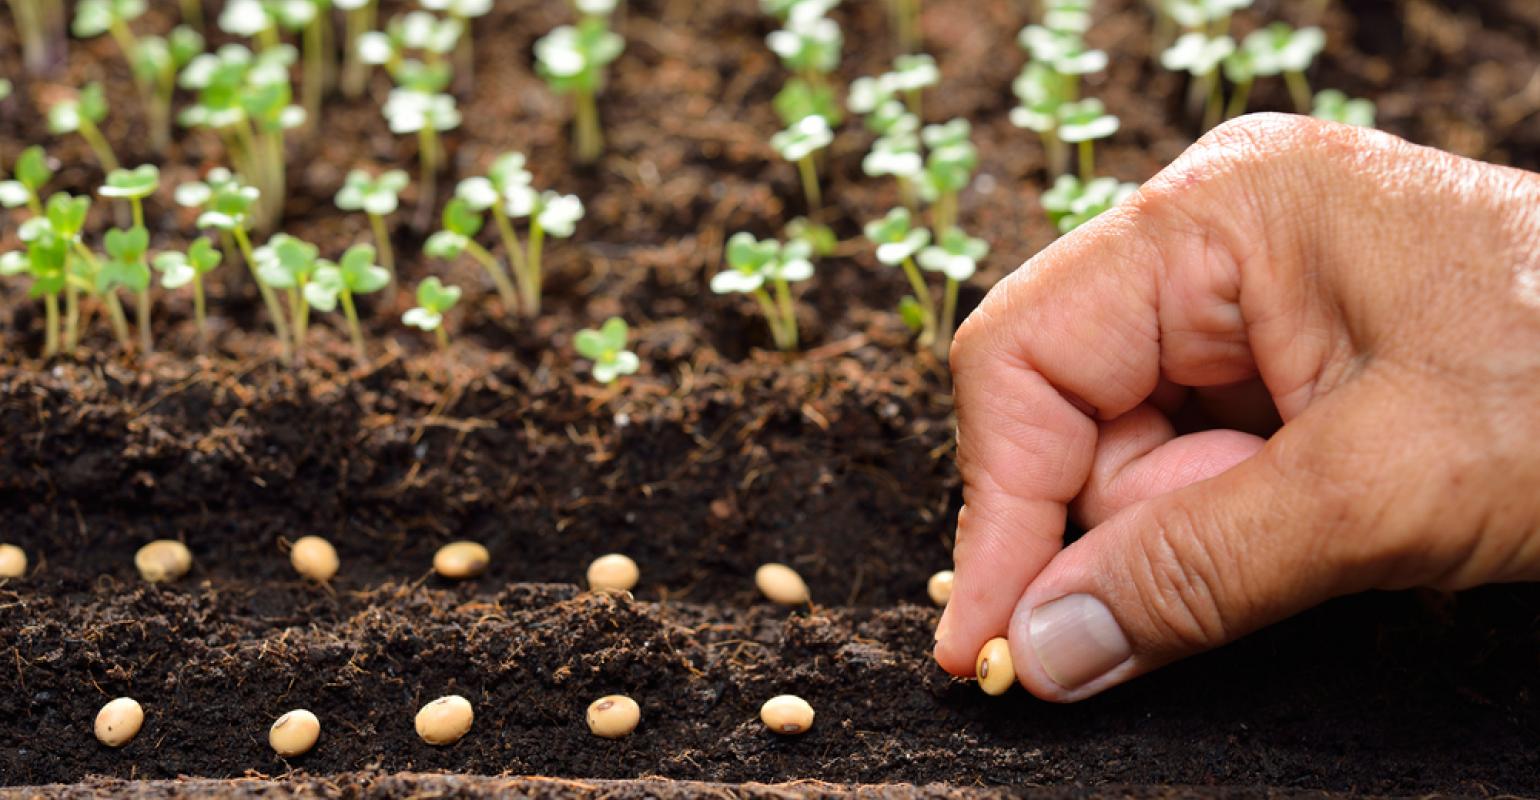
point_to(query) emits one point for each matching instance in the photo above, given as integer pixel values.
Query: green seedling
(572, 60)
(784, 9)
(332, 284)
(127, 267)
(1072, 203)
(606, 347)
(225, 204)
(96, 17)
(1211, 17)
(434, 300)
(898, 154)
(32, 173)
(40, 25)
(1041, 93)
(949, 167)
(84, 114)
(1333, 105)
(956, 256)
(184, 269)
(461, 223)
(462, 12)
(65, 218)
(1065, 52)
(1081, 124)
(912, 75)
(799, 143)
(1281, 49)
(378, 197)
(799, 99)
(156, 65)
(44, 261)
(898, 242)
(418, 32)
(506, 192)
(1200, 56)
(360, 17)
(809, 46)
(551, 214)
(263, 20)
(1067, 15)
(754, 265)
(289, 264)
(133, 185)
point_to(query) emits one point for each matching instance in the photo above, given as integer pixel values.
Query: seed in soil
(781, 584)
(314, 558)
(994, 668)
(294, 733)
(163, 560)
(119, 722)
(461, 560)
(13, 561)
(787, 713)
(940, 587)
(445, 720)
(613, 573)
(613, 717)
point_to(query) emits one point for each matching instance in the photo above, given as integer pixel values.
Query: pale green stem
(442, 336)
(355, 73)
(301, 311)
(71, 316)
(382, 243)
(427, 156)
(944, 212)
(927, 301)
(497, 274)
(772, 318)
(587, 136)
(809, 172)
(354, 332)
(1213, 109)
(51, 326)
(142, 307)
(1238, 100)
(1087, 160)
(119, 321)
(788, 313)
(269, 298)
(200, 314)
(192, 13)
(948, 318)
(315, 71)
(536, 275)
(99, 145)
(1299, 90)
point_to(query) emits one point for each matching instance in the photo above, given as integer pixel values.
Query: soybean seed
(614, 716)
(786, 713)
(119, 722)
(461, 560)
(613, 573)
(781, 584)
(314, 558)
(163, 560)
(13, 561)
(940, 587)
(445, 720)
(294, 733)
(994, 668)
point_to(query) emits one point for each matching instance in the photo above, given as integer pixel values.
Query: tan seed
(461, 560)
(994, 668)
(13, 561)
(314, 558)
(119, 722)
(781, 584)
(614, 716)
(940, 587)
(613, 573)
(445, 720)
(786, 713)
(294, 733)
(163, 560)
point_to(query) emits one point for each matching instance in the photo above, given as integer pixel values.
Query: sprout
(1041, 92)
(1083, 123)
(126, 267)
(1063, 50)
(83, 114)
(32, 173)
(461, 224)
(289, 264)
(955, 255)
(1195, 15)
(897, 154)
(354, 274)
(809, 45)
(40, 26)
(797, 144)
(360, 16)
(1071, 203)
(572, 60)
(898, 242)
(752, 264)
(426, 113)
(134, 186)
(1333, 105)
(378, 198)
(44, 261)
(912, 74)
(155, 65)
(949, 168)
(1279, 48)
(180, 269)
(799, 99)
(434, 300)
(606, 347)
(550, 213)
(461, 12)
(1200, 55)
(1067, 15)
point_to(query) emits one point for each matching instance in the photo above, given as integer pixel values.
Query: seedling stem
(1299, 90)
(589, 139)
(809, 172)
(382, 241)
(269, 299)
(927, 301)
(495, 270)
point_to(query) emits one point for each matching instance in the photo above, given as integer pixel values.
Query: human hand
(1382, 299)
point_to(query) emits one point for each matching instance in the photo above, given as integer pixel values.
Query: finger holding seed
(939, 587)
(294, 733)
(994, 668)
(613, 573)
(461, 560)
(13, 561)
(314, 558)
(787, 714)
(163, 560)
(445, 720)
(119, 722)
(781, 584)
(613, 717)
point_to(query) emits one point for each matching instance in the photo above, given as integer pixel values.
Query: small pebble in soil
(119, 722)
(613, 573)
(786, 713)
(314, 558)
(614, 716)
(781, 584)
(163, 560)
(994, 668)
(294, 733)
(13, 561)
(940, 587)
(445, 720)
(461, 560)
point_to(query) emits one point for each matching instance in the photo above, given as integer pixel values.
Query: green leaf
(132, 275)
(139, 182)
(67, 214)
(129, 245)
(615, 332)
(590, 344)
(912, 313)
(359, 272)
(93, 102)
(32, 168)
(461, 219)
(203, 256)
(433, 295)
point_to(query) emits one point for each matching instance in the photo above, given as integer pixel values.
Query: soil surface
(717, 457)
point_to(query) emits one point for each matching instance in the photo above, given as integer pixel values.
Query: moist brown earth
(716, 458)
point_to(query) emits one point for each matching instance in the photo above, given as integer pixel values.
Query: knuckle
(1177, 575)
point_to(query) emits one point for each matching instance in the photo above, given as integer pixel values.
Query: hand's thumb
(1190, 570)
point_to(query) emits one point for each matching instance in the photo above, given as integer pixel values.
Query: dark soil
(716, 458)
